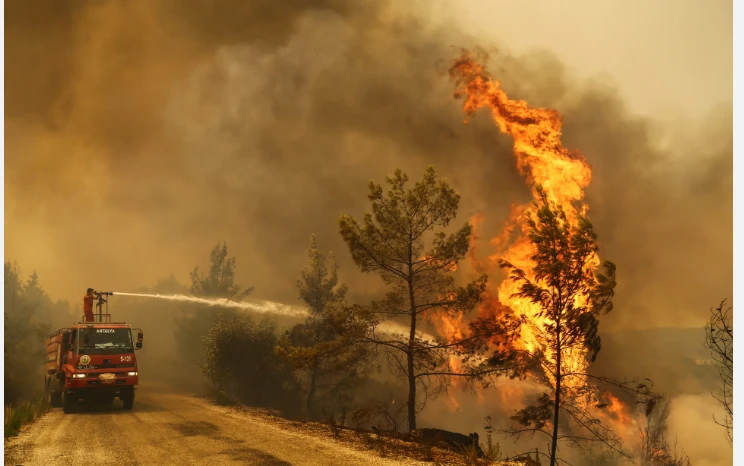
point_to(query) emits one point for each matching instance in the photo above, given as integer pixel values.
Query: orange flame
(617, 414)
(563, 174)
(543, 160)
(617, 409)
(536, 131)
(450, 326)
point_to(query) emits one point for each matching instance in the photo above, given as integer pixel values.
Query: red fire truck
(92, 361)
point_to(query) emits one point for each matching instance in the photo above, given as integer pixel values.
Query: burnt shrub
(241, 362)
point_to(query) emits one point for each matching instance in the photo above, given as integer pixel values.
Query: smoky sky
(139, 134)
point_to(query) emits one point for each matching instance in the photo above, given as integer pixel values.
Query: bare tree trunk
(411, 347)
(311, 392)
(557, 404)
(411, 373)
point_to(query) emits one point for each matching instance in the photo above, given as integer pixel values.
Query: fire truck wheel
(128, 399)
(68, 404)
(49, 394)
(54, 399)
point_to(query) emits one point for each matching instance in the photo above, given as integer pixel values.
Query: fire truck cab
(92, 361)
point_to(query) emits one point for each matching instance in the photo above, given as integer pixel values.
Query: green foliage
(220, 281)
(318, 286)
(404, 241)
(29, 316)
(241, 362)
(23, 413)
(324, 350)
(196, 320)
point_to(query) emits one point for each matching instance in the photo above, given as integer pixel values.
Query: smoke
(132, 123)
(138, 134)
(705, 445)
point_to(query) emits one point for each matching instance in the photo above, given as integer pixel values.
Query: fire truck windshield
(105, 340)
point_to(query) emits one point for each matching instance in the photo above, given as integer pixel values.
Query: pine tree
(569, 297)
(404, 241)
(324, 348)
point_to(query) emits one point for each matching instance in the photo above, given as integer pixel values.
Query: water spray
(265, 307)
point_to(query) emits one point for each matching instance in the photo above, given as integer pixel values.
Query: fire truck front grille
(111, 366)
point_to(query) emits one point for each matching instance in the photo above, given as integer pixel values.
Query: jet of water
(268, 307)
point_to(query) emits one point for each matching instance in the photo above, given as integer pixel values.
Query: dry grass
(386, 444)
(21, 414)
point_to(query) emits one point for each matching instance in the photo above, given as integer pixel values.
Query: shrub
(241, 362)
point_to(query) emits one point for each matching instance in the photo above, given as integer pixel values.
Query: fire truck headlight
(131, 374)
(79, 376)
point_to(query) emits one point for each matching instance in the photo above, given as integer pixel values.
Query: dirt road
(166, 428)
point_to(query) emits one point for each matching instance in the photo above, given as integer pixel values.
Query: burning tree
(392, 242)
(324, 348)
(554, 289)
(569, 296)
(719, 338)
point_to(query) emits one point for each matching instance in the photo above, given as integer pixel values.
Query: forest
(342, 363)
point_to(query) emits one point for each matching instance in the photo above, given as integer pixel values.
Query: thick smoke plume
(140, 133)
(161, 127)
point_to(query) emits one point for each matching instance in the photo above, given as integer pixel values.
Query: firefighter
(90, 295)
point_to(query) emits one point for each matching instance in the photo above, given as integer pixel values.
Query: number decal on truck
(126, 359)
